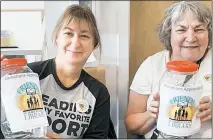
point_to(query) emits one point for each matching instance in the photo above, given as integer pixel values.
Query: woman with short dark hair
(77, 105)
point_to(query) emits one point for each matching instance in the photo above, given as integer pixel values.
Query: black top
(79, 111)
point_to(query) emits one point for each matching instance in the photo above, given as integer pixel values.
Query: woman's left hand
(205, 108)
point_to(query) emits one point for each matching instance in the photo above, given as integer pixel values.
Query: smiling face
(75, 42)
(189, 38)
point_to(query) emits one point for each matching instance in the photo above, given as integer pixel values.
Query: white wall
(123, 69)
(52, 11)
(6, 5)
(25, 26)
(113, 21)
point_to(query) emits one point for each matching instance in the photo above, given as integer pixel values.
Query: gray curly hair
(175, 12)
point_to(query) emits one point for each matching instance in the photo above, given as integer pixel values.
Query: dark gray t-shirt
(80, 111)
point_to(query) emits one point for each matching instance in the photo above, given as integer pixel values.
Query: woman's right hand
(154, 105)
(3, 56)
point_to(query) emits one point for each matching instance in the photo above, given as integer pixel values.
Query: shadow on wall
(14, 56)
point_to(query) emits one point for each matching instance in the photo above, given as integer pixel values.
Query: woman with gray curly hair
(186, 33)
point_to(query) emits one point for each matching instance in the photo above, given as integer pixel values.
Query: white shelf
(20, 51)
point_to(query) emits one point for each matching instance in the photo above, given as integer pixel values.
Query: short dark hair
(76, 12)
